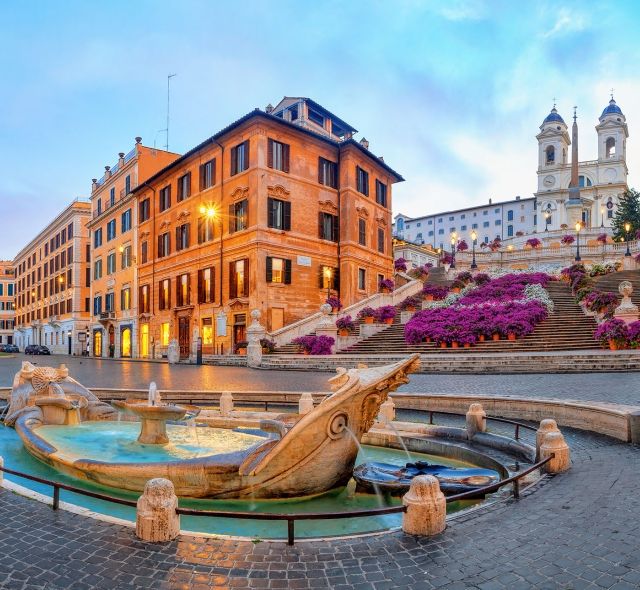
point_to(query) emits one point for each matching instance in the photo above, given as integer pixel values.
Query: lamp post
(627, 228)
(474, 237)
(601, 215)
(547, 215)
(327, 276)
(453, 251)
(578, 242)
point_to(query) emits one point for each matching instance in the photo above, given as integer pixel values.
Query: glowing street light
(627, 229)
(474, 237)
(577, 259)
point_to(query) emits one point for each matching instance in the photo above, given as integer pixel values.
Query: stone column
(255, 333)
(476, 419)
(156, 518)
(305, 403)
(554, 444)
(327, 325)
(426, 507)
(546, 426)
(226, 403)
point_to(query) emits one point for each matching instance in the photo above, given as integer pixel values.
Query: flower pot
(242, 351)
(335, 309)
(427, 339)
(511, 336)
(613, 345)
(385, 290)
(495, 336)
(343, 332)
(454, 344)
(305, 352)
(388, 321)
(443, 345)
(481, 338)
(368, 319)
(455, 290)
(410, 309)
(428, 297)
(467, 345)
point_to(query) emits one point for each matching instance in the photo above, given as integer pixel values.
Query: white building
(494, 220)
(414, 255)
(601, 182)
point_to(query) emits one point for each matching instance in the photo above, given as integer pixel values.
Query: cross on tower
(554, 102)
(575, 116)
(611, 90)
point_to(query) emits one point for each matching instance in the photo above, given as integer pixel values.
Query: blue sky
(451, 93)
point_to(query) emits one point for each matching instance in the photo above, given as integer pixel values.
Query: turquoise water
(16, 457)
(116, 442)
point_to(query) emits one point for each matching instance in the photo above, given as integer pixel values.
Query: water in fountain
(379, 496)
(56, 390)
(154, 394)
(402, 443)
(193, 430)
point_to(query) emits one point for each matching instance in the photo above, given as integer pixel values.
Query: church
(574, 191)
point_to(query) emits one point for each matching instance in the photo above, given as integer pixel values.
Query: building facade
(113, 236)
(7, 294)
(502, 220)
(600, 182)
(274, 212)
(52, 285)
(415, 255)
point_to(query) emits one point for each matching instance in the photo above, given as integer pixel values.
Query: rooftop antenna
(168, 89)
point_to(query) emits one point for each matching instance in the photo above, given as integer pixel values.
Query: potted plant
(386, 285)
(400, 264)
(335, 303)
(420, 272)
(481, 278)
(457, 286)
(567, 240)
(314, 345)
(633, 330)
(533, 243)
(367, 314)
(268, 345)
(433, 293)
(612, 333)
(446, 260)
(410, 303)
(241, 347)
(345, 326)
(462, 246)
(385, 314)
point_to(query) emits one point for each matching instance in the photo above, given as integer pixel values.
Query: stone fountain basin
(169, 412)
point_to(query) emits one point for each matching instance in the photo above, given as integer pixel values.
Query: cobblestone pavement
(613, 387)
(578, 530)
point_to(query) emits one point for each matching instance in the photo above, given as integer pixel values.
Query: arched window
(400, 224)
(550, 153)
(610, 147)
(584, 181)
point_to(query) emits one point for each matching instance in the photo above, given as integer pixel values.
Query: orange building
(7, 294)
(52, 286)
(274, 212)
(114, 234)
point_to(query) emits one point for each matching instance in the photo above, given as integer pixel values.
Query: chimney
(364, 143)
(138, 139)
(268, 108)
(107, 171)
(94, 184)
(517, 197)
(120, 159)
(489, 201)
(381, 158)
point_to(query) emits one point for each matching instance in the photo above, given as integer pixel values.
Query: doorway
(112, 342)
(97, 343)
(69, 341)
(125, 343)
(183, 337)
(144, 341)
(239, 328)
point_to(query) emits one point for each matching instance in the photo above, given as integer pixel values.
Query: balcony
(54, 320)
(107, 316)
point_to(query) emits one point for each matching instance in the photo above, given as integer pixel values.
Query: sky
(451, 93)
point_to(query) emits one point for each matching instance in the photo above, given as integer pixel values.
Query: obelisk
(574, 202)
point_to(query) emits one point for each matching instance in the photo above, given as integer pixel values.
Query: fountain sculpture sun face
(312, 454)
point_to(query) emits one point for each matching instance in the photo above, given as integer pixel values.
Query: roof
(553, 117)
(261, 114)
(318, 107)
(612, 109)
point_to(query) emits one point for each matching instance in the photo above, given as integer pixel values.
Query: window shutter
(212, 289)
(246, 277)
(287, 272)
(200, 286)
(285, 157)
(320, 175)
(336, 279)
(234, 160)
(270, 153)
(232, 219)
(178, 240)
(201, 176)
(200, 232)
(188, 185)
(188, 302)
(287, 216)
(321, 225)
(213, 171)
(270, 220)
(233, 292)
(321, 277)
(335, 228)
(160, 246)
(188, 228)
(246, 154)
(269, 269)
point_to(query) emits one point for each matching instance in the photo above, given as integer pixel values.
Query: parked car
(11, 348)
(36, 349)
(43, 350)
(2, 347)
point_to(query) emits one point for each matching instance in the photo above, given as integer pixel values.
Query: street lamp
(578, 242)
(601, 215)
(547, 216)
(327, 276)
(627, 228)
(474, 237)
(453, 251)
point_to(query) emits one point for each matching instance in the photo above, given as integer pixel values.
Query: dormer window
(316, 117)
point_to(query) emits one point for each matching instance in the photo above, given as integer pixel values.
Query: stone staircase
(611, 282)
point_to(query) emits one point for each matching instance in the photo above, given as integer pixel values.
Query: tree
(628, 211)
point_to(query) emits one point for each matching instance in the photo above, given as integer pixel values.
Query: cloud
(567, 22)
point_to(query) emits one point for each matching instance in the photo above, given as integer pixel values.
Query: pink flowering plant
(400, 264)
(420, 272)
(386, 284)
(334, 302)
(385, 312)
(410, 302)
(438, 293)
(462, 246)
(346, 323)
(567, 240)
(481, 278)
(446, 258)
(366, 312)
(315, 345)
(612, 331)
(534, 243)
(602, 238)
(633, 330)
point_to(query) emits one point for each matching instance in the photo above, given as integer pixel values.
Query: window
(381, 240)
(97, 238)
(207, 331)
(97, 305)
(97, 269)
(182, 237)
(240, 158)
(278, 270)
(485, 224)
(474, 226)
(362, 181)
(328, 227)
(362, 279)
(440, 231)
(610, 147)
(430, 222)
(278, 155)
(112, 196)
(451, 217)
(111, 263)
(329, 278)
(184, 187)
(239, 278)
(238, 216)
(550, 154)
(164, 334)
(109, 302)
(205, 229)
(584, 181)
(164, 294)
(144, 210)
(485, 212)
(99, 207)
(164, 245)
(463, 228)
(510, 215)
(125, 221)
(206, 285)
(111, 230)
(381, 193)
(609, 213)
(463, 216)
(327, 173)
(498, 222)
(207, 174)
(165, 198)
(125, 257)
(278, 214)
(362, 232)
(316, 117)
(509, 231)
(183, 290)
(144, 251)
(430, 233)
(125, 299)
(419, 224)
(440, 220)
(145, 302)
(127, 184)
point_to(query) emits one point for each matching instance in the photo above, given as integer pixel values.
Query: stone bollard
(426, 507)
(305, 403)
(554, 444)
(226, 403)
(387, 412)
(547, 425)
(476, 420)
(255, 333)
(156, 517)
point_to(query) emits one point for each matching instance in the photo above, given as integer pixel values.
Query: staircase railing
(309, 324)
